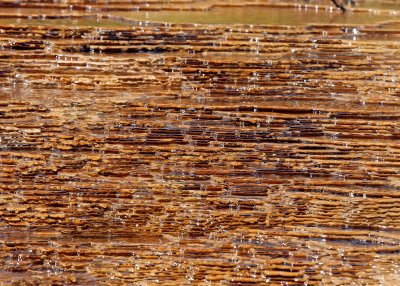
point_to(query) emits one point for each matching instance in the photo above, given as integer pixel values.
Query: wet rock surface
(179, 154)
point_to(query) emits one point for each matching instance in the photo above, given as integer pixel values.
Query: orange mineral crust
(171, 148)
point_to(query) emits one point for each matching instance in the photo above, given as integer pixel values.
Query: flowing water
(299, 16)
(229, 146)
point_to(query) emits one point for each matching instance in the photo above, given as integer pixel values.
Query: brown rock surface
(199, 154)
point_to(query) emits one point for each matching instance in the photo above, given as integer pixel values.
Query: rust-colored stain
(154, 153)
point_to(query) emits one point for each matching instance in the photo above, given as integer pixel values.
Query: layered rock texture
(192, 154)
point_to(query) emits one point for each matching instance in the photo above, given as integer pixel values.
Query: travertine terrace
(152, 153)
